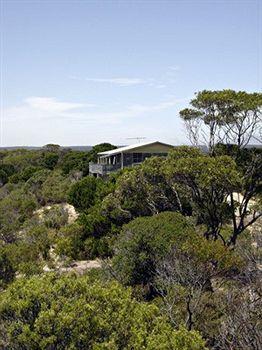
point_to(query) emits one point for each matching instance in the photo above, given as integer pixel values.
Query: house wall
(135, 155)
(154, 148)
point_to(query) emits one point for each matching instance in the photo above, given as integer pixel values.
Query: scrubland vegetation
(178, 238)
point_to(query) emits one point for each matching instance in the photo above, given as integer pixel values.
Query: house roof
(131, 147)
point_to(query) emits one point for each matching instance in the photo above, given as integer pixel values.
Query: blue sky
(85, 72)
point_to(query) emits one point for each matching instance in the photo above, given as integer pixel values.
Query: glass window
(137, 157)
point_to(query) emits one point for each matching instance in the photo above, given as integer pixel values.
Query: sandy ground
(80, 266)
(72, 214)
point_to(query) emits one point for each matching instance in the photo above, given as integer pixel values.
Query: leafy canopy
(71, 312)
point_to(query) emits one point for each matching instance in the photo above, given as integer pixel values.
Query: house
(127, 156)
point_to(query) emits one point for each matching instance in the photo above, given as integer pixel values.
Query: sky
(84, 72)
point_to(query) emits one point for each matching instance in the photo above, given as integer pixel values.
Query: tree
(50, 160)
(3, 178)
(7, 270)
(70, 312)
(240, 323)
(240, 328)
(145, 191)
(51, 147)
(28, 253)
(75, 161)
(24, 174)
(55, 188)
(209, 181)
(82, 194)
(69, 241)
(22, 158)
(223, 116)
(242, 117)
(35, 183)
(102, 147)
(246, 202)
(184, 280)
(248, 209)
(15, 208)
(145, 241)
(184, 152)
(6, 170)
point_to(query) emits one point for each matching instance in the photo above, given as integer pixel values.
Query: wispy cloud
(46, 108)
(41, 108)
(118, 81)
(45, 119)
(174, 68)
(159, 83)
(50, 104)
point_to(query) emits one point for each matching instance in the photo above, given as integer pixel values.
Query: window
(137, 158)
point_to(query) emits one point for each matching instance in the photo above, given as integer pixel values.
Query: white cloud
(42, 108)
(118, 81)
(159, 83)
(40, 120)
(50, 104)
(174, 68)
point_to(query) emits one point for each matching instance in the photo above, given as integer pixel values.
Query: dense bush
(55, 188)
(15, 208)
(49, 160)
(76, 313)
(75, 160)
(70, 241)
(166, 228)
(82, 194)
(144, 242)
(7, 270)
(24, 175)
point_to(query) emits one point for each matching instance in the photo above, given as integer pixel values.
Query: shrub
(78, 313)
(82, 194)
(145, 241)
(55, 188)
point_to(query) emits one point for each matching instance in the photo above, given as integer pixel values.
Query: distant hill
(88, 148)
(75, 148)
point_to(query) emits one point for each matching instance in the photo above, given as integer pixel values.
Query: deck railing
(103, 169)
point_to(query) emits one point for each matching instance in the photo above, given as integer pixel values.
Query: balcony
(103, 169)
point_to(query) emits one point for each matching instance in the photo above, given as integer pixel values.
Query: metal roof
(131, 147)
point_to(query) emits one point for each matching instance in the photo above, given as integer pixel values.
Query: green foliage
(97, 227)
(20, 159)
(55, 188)
(3, 177)
(183, 152)
(209, 181)
(29, 250)
(7, 270)
(52, 147)
(135, 218)
(54, 217)
(24, 175)
(82, 194)
(70, 241)
(35, 183)
(77, 313)
(6, 170)
(15, 208)
(102, 147)
(145, 190)
(229, 116)
(246, 210)
(50, 160)
(75, 161)
(145, 241)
